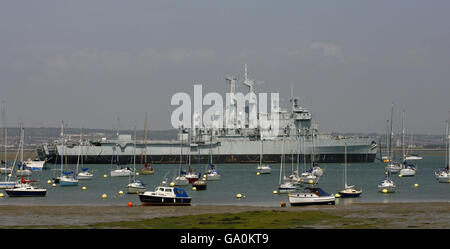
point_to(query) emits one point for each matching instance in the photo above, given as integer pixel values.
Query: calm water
(242, 178)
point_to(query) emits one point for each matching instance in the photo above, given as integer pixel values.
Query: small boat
(136, 187)
(25, 189)
(199, 185)
(122, 172)
(263, 168)
(68, 179)
(413, 157)
(7, 184)
(349, 191)
(35, 165)
(6, 170)
(315, 196)
(192, 176)
(286, 187)
(181, 180)
(165, 196)
(317, 171)
(147, 170)
(386, 186)
(23, 170)
(408, 169)
(394, 167)
(212, 174)
(443, 175)
(85, 174)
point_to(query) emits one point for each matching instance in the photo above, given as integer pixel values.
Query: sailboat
(212, 174)
(181, 179)
(25, 189)
(84, 174)
(119, 171)
(67, 178)
(443, 175)
(392, 166)
(147, 169)
(411, 156)
(5, 169)
(408, 169)
(284, 186)
(263, 168)
(316, 170)
(349, 191)
(137, 186)
(307, 177)
(22, 169)
(200, 184)
(387, 185)
(191, 175)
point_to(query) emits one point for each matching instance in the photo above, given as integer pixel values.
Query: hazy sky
(87, 62)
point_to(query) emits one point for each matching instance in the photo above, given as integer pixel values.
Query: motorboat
(165, 196)
(35, 165)
(315, 196)
(413, 157)
(136, 187)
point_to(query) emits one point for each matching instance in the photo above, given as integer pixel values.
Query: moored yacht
(165, 196)
(312, 196)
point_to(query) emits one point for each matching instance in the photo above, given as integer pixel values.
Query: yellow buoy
(137, 173)
(337, 195)
(239, 196)
(275, 192)
(311, 181)
(9, 175)
(104, 196)
(384, 190)
(385, 172)
(120, 192)
(49, 181)
(105, 176)
(1, 194)
(172, 184)
(194, 188)
(257, 173)
(416, 185)
(400, 176)
(283, 204)
(83, 188)
(54, 185)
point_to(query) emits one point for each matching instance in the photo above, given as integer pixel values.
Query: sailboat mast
(79, 151)
(181, 149)
(282, 160)
(62, 149)
(5, 134)
(145, 139)
(345, 165)
(391, 132)
(134, 151)
(117, 142)
(261, 151)
(403, 136)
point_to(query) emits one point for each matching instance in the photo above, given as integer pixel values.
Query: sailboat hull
(20, 193)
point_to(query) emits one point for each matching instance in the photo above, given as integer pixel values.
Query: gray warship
(302, 142)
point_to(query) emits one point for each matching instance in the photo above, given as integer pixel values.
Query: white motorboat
(413, 157)
(35, 165)
(315, 196)
(7, 184)
(286, 187)
(165, 196)
(264, 169)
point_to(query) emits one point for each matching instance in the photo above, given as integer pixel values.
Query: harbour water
(242, 178)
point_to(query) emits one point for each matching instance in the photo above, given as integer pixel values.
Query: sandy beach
(368, 215)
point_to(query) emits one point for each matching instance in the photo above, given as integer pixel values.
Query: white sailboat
(387, 185)
(284, 186)
(408, 169)
(181, 179)
(137, 186)
(84, 174)
(443, 175)
(119, 171)
(22, 169)
(392, 166)
(348, 191)
(307, 177)
(147, 169)
(7, 183)
(67, 178)
(409, 155)
(263, 168)
(212, 174)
